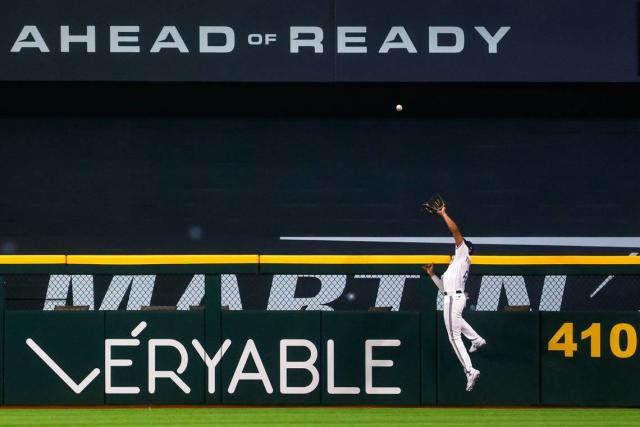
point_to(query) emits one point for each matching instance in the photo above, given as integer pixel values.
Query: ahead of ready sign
(240, 374)
(223, 39)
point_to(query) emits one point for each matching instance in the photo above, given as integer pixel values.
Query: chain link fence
(320, 292)
(552, 293)
(338, 292)
(104, 292)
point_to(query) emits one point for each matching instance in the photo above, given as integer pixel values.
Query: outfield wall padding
(75, 341)
(212, 331)
(349, 332)
(182, 327)
(508, 363)
(428, 345)
(518, 365)
(266, 330)
(59, 358)
(582, 377)
(2, 296)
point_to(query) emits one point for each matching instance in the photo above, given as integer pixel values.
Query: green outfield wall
(255, 357)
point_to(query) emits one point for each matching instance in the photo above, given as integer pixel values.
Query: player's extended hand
(428, 269)
(435, 205)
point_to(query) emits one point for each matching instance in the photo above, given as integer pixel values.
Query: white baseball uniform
(452, 284)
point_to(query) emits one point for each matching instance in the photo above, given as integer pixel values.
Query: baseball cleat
(476, 345)
(472, 378)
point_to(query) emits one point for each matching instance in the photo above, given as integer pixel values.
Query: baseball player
(455, 299)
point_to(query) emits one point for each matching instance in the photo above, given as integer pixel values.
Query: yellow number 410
(562, 340)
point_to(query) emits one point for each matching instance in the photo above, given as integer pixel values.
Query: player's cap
(469, 245)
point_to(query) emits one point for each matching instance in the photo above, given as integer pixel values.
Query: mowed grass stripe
(477, 417)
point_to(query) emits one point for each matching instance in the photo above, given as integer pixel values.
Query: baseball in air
(399, 108)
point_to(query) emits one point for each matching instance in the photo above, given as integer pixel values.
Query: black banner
(320, 40)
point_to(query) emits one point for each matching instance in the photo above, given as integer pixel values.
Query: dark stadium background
(211, 168)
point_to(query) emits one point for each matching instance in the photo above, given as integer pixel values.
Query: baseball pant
(455, 324)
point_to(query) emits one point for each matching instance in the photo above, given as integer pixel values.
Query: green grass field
(477, 417)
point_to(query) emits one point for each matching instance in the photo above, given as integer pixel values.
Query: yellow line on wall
(33, 259)
(354, 259)
(444, 259)
(556, 260)
(160, 259)
(314, 259)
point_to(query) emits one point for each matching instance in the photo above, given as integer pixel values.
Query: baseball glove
(434, 204)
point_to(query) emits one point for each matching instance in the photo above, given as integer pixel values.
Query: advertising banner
(272, 358)
(73, 358)
(320, 40)
(320, 358)
(589, 359)
(54, 358)
(372, 358)
(155, 358)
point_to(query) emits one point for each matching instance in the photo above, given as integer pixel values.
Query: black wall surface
(171, 169)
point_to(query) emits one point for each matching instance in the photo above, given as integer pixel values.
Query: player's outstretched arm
(429, 270)
(453, 227)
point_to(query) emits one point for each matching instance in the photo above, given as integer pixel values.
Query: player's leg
(473, 374)
(447, 315)
(468, 331)
(455, 328)
(476, 340)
